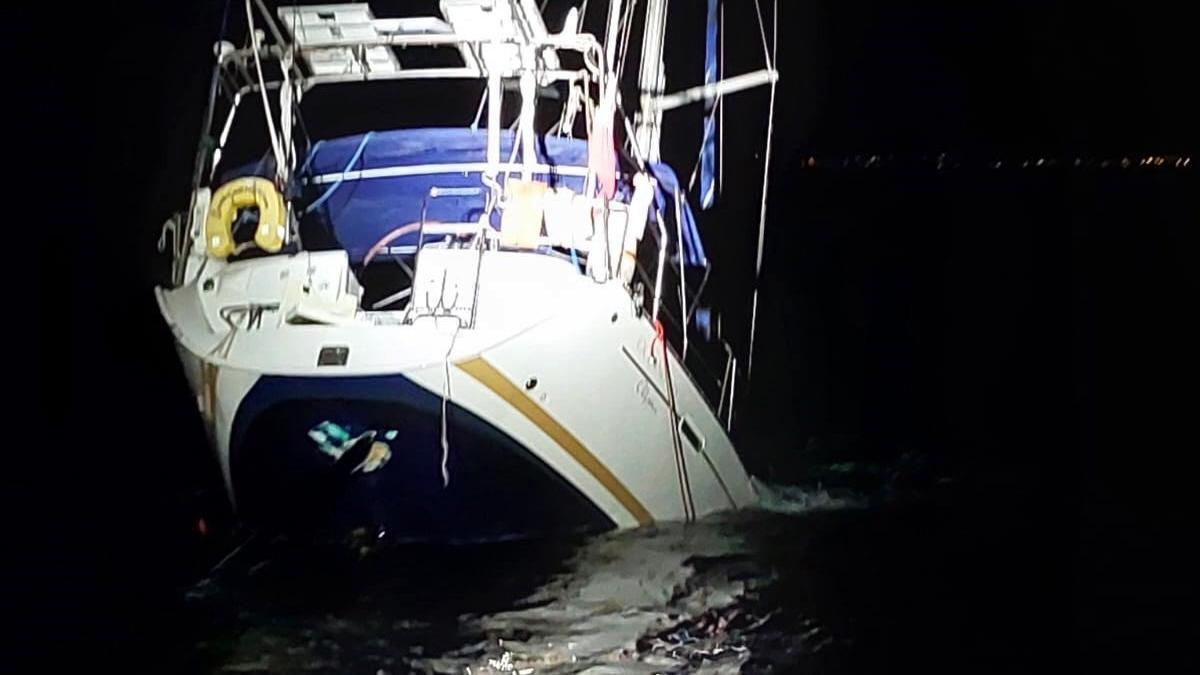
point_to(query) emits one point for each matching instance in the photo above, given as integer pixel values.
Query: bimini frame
(523, 51)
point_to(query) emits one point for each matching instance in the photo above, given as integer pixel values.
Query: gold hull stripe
(483, 372)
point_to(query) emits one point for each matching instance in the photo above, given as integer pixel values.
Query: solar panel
(321, 23)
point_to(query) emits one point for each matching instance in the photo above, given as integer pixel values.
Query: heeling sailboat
(450, 333)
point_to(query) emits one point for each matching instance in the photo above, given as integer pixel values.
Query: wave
(794, 499)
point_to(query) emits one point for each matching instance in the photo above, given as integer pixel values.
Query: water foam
(616, 590)
(797, 499)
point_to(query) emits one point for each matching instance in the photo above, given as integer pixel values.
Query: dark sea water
(889, 570)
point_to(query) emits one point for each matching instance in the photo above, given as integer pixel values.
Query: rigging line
(308, 141)
(762, 214)
(214, 88)
(224, 19)
(623, 31)
(696, 296)
(732, 391)
(216, 161)
(724, 377)
(479, 111)
(299, 92)
(270, 22)
(662, 262)
(626, 32)
(611, 36)
(700, 153)
(275, 147)
(630, 137)
(678, 463)
(516, 143)
(689, 506)
(682, 276)
(285, 112)
(762, 31)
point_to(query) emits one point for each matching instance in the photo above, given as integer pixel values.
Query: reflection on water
(822, 581)
(642, 601)
(665, 598)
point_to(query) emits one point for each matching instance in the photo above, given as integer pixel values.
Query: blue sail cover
(360, 211)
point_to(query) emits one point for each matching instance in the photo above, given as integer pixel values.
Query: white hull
(560, 363)
(517, 391)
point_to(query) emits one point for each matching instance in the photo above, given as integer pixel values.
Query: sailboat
(456, 332)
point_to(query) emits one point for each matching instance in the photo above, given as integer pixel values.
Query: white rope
(762, 214)
(171, 226)
(262, 87)
(610, 34)
(566, 122)
(518, 143)
(445, 405)
(626, 32)
(237, 100)
(286, 115)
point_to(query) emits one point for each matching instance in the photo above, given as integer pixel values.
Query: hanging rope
(445, 407)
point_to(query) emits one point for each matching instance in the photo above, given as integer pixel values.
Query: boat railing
(437, 192)
(475, 230)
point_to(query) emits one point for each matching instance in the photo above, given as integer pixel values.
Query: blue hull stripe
(293, 451)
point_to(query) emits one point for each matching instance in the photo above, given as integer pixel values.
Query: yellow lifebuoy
(240, 193)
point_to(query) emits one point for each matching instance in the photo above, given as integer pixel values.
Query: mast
(651, 80)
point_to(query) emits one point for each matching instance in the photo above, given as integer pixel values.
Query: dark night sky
(1028, 328)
